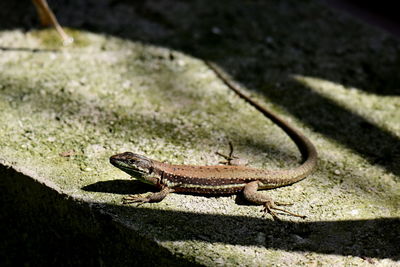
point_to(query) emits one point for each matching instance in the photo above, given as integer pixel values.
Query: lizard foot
(152, 197)
(140, 199)
(231, 159)
(270, 207)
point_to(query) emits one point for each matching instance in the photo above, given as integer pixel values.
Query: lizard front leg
(153, 197)
(251, 194)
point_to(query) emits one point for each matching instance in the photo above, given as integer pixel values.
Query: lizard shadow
(132, 187)
(120, 187)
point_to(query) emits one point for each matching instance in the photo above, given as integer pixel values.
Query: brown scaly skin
(220, 179)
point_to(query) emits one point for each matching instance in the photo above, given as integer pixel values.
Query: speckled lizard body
(220, 179)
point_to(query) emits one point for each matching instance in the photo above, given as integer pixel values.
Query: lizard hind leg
(252, 195)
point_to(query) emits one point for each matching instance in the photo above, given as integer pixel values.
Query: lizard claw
(135, 199)
(283, 204)
(267, 209)
(270, 206)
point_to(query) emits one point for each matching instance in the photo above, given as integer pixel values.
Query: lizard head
(133, 164)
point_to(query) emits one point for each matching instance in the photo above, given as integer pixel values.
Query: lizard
(221, 179)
